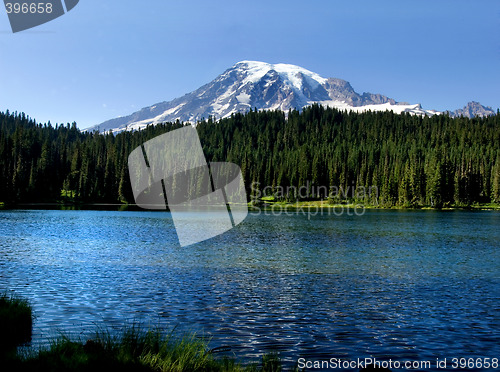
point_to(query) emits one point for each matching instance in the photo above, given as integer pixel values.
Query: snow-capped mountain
(265, 86)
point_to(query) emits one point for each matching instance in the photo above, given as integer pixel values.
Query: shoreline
(261, 205)
(325, 205)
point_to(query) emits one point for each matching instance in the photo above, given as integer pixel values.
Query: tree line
(410, 160)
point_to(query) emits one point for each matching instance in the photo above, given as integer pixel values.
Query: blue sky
(108, 58)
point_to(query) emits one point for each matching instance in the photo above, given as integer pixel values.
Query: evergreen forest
(411, 161)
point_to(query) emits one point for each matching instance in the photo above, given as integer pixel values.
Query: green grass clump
(16, 321)
(136, 350)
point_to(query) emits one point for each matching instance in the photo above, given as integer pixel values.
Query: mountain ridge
(265, 86)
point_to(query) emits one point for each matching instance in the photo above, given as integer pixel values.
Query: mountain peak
(473, 109)
(265, 86)
(256, 70)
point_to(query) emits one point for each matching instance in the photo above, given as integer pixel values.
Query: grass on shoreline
(134, 350)
(16, 320)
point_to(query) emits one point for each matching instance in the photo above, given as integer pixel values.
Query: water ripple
(401, 285)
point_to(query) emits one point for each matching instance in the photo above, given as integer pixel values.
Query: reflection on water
(413, 285)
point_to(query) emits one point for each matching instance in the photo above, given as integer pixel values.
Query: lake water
(400, 285)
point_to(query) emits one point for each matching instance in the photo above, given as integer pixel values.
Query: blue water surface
(391, 285)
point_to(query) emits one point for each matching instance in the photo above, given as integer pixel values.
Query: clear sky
(109, 58)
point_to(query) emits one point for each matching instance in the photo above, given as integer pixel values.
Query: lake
(400, 285)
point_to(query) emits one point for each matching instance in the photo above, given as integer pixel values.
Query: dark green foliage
(15, 322)
(42, 163)
(409, 161)
(135, 350)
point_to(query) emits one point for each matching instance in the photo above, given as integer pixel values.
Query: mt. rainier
(250, 84)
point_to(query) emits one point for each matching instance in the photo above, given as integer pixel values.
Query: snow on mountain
(265, 86)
